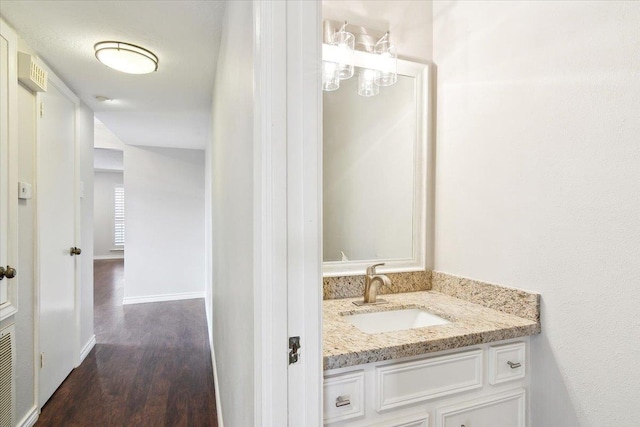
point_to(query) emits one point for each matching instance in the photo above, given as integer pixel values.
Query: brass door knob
(75, 251)
(8, 272)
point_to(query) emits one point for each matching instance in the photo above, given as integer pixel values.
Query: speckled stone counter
(352, 286)
(346, 345)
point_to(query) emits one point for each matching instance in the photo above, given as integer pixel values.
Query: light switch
(24, 190)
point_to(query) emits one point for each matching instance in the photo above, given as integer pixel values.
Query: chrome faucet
(372, 282)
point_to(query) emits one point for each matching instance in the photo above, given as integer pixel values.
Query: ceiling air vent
(30, 73)
(7, 375)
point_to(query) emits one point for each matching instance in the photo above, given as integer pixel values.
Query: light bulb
(345, 42)
(366, 82)
(388, 63)
(330, 76)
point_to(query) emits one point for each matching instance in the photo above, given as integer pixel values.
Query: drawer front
(500, 410)
(418, 420)
(343, 397)
(507, 362)
(407, 383)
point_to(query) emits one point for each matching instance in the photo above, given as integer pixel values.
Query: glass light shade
(330, 76)
(366, 83)
(126, 57)
(346, 44)
(388, 63)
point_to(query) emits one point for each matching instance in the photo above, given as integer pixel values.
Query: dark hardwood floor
(151, 365)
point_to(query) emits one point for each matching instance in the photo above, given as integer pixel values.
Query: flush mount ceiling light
(126, 57)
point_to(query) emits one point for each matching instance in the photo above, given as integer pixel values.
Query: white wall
(409, 22)
(538, 186)
(104, 183)
(106, 159)
(232, 218)
(164, 214)
(369, 146)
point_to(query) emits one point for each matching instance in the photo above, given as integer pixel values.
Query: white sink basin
(394, 320)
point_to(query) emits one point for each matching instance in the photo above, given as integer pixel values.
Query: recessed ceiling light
(126, 57)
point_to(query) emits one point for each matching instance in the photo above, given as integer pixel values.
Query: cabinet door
(499, 410)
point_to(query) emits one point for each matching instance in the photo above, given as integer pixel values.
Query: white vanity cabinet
(478, 386)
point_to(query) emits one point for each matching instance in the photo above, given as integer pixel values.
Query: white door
(56, 236)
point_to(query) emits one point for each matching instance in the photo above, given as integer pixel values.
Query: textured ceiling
(168, 108)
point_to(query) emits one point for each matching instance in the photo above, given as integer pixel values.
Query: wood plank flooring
(151, 365)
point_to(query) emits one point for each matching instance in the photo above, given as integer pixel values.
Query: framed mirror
(376, 194)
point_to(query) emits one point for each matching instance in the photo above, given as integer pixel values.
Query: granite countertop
(345, 345)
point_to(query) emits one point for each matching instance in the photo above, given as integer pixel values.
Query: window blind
(118, 220)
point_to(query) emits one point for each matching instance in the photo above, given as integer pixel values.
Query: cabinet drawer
(499, 410)
(418, 420)
(507, 362)
(343, 396)
(407, 383)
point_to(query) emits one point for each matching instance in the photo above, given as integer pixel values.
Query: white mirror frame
(423, 182)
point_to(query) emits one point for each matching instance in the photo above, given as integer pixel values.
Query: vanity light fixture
(347, 46)
(126, 57)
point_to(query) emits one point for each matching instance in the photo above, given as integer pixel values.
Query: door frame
(54, 80)
(287, 215)
(10, 308)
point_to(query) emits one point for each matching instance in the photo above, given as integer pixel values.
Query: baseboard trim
(101, 257)
(30, 419)
(87, 348)
(162, 298)
(216, 387)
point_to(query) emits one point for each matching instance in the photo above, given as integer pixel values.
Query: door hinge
(42, 109)
(41, 360)
(294, 346)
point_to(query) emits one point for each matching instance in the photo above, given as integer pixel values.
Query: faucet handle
(372, 269)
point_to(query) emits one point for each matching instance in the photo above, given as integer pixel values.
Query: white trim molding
(216, 386)
(270, 277)
(287, 212)
(162, 298)
(104, 257)
(30, 419)
(9, 166)
(87, 348)
(304, 208)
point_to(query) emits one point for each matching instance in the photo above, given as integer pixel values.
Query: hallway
(151, 365)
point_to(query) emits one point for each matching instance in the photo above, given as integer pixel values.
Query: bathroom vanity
(470, 368)
(443, 351)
